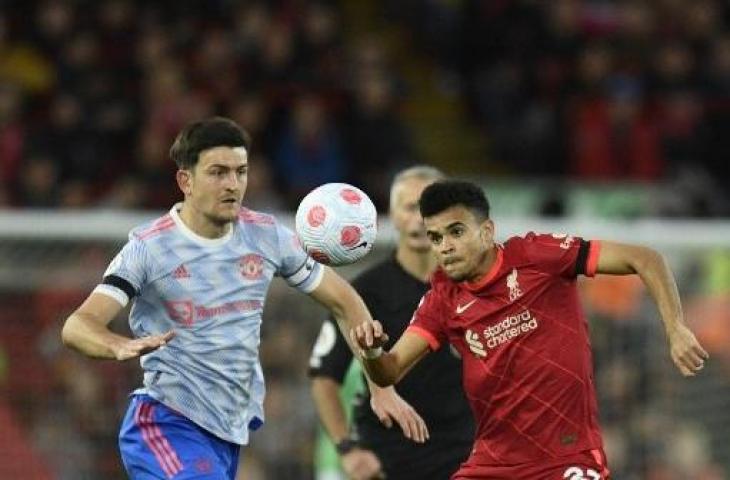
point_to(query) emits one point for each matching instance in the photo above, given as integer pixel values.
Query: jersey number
(577, 473)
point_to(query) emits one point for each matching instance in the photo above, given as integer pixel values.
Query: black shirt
(433, 388)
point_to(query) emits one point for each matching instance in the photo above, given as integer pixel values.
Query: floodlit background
(606, 119)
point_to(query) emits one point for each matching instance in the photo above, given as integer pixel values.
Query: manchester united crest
(252, 266)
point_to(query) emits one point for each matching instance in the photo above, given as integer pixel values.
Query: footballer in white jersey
(198, 278)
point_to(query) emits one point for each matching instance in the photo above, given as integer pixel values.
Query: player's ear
(486, 231)
(184, 180)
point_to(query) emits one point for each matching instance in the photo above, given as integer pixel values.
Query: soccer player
(513, 313)
(391, 290)
(198, 277)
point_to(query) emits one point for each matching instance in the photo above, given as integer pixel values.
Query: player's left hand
(687, 353)
(388, 406)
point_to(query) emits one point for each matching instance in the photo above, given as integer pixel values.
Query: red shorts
(588, 465)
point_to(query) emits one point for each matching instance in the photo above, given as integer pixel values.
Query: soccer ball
(337, 224)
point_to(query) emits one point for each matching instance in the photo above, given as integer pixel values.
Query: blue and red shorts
(158, 443)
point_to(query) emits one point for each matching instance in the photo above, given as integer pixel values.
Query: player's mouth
(230, 201)
(451, 261)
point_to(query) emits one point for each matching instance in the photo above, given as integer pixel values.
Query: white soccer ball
(337, 224)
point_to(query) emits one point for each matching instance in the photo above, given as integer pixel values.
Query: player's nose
(232, 181)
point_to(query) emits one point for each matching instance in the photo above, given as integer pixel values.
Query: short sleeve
(428, 320)
(127, 273)
(561, 254)
(296, 267)
(331, 356)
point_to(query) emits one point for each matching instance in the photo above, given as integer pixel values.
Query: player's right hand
(361, 464)
(135, 347)
(368, 335)
(687, 353)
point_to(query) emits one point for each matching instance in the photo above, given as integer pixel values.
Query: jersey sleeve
(331, 356)
(562, 255)
(296, 267)
(428, 320)
(127, 273)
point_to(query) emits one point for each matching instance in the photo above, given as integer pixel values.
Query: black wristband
(345, 446)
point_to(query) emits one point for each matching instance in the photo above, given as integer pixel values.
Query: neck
(420, 265)
(200, 224)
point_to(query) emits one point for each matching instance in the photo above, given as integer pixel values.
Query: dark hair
(204, 134)
(445, 194)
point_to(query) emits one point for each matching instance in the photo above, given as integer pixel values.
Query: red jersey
(523, 339)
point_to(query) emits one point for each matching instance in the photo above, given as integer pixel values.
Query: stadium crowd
(91, 92)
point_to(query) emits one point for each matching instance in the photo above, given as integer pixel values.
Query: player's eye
(457, 232)
(435, 238)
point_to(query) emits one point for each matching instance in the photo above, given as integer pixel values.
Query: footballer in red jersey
(513, 313)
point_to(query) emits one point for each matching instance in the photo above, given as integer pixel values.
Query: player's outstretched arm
(342, 300)
(86, 330)
(386, 368)
(621, 259)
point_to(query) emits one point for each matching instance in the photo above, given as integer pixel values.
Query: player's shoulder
(153, 228)
(518, 241)
(252, 217)
(535, 240)
(532, 240)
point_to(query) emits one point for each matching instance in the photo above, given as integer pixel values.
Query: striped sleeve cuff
(113, 292)
(593, 254)
(307, 277)
(587, 261)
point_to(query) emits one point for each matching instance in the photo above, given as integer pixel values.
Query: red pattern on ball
(320, 256)
(350, 196)
(350, 236)
(316, 216)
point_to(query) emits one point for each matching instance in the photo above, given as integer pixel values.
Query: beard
(220, 219)
(457, 276)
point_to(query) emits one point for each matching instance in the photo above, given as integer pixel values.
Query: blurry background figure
(308, 151)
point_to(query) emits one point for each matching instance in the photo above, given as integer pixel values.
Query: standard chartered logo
(577, 473)
(500, 333)
(477, 347)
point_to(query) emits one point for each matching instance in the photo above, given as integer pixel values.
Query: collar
(194, 237)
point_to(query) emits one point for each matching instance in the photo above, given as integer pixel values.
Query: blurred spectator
(308, 152)
(376, 141)
(38, 186)
(21, 64)
(615, 137)
(12, 137)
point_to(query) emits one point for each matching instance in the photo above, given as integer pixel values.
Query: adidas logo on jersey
(181, 272)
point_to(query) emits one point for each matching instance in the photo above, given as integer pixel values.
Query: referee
(392, 289)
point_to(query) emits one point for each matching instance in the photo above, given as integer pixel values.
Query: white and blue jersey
(211, 292)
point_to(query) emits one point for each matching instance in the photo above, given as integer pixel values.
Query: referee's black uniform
(433, 387)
